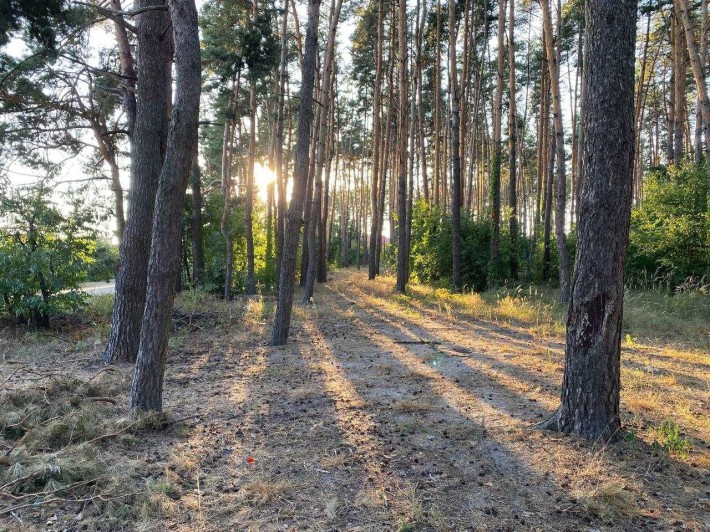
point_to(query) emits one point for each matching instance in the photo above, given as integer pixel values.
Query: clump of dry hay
(56, 461)
(260, 491)
(609, 501)
(56, 411)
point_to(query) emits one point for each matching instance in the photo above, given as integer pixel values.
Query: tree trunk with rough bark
(455, 154)
(294, 218)
(321, 151)
(590, 389)
(154, 53)
(147, 389)
(561, 178)
(513, 144)
(376, 140)
(402, 132)
(279, 148)
(495, 266)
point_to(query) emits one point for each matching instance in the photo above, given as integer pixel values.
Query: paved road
(99, 289)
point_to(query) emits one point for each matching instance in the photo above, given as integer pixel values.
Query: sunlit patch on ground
(382, 413)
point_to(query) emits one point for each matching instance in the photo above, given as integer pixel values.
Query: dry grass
(421, 405)
(609, 501)
(350, 430)
(67, 441)
(262, 491)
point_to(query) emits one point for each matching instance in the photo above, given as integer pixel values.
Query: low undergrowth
(67, 451)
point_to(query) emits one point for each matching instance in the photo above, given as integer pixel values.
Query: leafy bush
(670, 230)
(104, 264)
(44, 254)
(431, 248)
(215, 247)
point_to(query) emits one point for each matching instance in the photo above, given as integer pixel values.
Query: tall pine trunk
(402, 132)
(553, 55)
(376, 141)
(590, 389)
(495, 267)
(147, 389)
(294, 218)
(154, 54)
(455, 154)
(513, 144)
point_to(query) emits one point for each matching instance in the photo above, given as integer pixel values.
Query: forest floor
(382, 412)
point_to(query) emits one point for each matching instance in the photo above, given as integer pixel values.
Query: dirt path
(381, 413)
(377, 418)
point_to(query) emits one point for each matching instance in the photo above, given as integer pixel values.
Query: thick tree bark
(420, 105)
(279, 148)
(455, 154)
(154, 52)
(147, 389)
(590, 389)
(321, 149)
(437, 109)
(294, 219)
(402, 133)
(376, 140)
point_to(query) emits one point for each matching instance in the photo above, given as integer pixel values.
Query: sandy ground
(379, 416)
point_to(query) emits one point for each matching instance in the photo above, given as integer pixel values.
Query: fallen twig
(418, 342)
(51, 492)
(60, 499)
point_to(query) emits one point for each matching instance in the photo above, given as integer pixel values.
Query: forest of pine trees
(252, 150)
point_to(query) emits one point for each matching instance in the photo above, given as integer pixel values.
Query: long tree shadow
(312, 465)
(472, 368)
(644, 466)
(538, 381)
(439, 433)
(510, 330)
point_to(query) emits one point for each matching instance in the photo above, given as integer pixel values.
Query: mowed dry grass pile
(383, 412)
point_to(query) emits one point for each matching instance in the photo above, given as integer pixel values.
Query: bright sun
(263, 176)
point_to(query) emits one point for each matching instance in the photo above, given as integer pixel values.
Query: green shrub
(104, 264)
(431, 248)
(670, 230)
(670, 437)
(44, 254)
